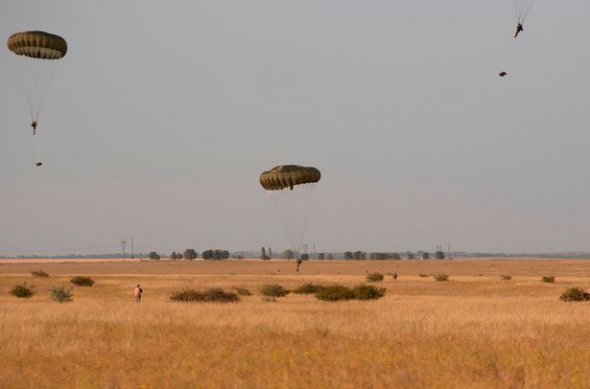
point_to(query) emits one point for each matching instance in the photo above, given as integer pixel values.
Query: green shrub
(441, 277)
(243, 291)
(374, 277)
(213, 295)
(274, 290)
(335, 293)
(22, 291)
(422, 275)
(39, 273)
(575, 294)
(506, 277)
(548, 279)
(61, 294)
(82, 281)
(367, 292)
(309, 288)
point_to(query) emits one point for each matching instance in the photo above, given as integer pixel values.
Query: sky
(162, 115)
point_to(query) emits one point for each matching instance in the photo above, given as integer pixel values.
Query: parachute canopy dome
(288, 176)
(38, 44)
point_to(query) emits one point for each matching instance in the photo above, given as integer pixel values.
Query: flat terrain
(475, 330)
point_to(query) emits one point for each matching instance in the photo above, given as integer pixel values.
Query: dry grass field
(474, 331)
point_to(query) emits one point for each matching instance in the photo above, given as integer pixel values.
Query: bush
(22, 291)
(82, 281)
(39, 273)
(374, 277)
(422, 275)
(213, 295)
(309, 288)
(548, 279)
(61, 294)
(506, 277)
(335, 293)
(243, 291)
(274, 290)
(575, 294)
(441, 277)
(367, 292)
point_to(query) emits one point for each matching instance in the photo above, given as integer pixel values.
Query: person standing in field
(137, 293)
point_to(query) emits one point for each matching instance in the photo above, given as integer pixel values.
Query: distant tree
(190, 254)
(215, 254)
(439, 254)
(330, 257)
(304, 257)
(153, 256)
(359, 255)
(263, 254)
(348, 255)
(425, 255)
(179, 255)
(288, 254)
(410, 255)
(321, 256)
(173, 256)
(396, 256)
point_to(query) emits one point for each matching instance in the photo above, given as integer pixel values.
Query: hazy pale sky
(163, 114)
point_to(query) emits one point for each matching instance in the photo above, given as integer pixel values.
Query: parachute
(40, 53)
(291, 187)
(522, 9)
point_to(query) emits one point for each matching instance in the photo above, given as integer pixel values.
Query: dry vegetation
(472, 331)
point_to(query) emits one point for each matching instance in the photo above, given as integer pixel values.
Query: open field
(474, 331)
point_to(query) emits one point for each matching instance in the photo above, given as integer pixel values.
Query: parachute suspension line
(511, 56)
(516, 11)
(36, 78)
(49, 68)
(37, 154)
(528, 9)
(293, 207)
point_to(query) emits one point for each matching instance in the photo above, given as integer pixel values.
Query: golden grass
(473, 331)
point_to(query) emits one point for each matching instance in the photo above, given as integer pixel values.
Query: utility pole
(123, 247)
(132, 248)
(449, 251)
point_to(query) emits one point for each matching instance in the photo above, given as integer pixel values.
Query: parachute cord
(44, 89)
(36, 146)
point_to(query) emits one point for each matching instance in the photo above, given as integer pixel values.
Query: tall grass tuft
(335, 293)
(273, 290)
(548, 279)
(61, 294)
(308, 288)
(374, 277)
(82, 281)
(367, 292)
(441, 277)
(575, 294)
(22, 291)
(40, 273)
(213, 295)
(243, 291)
(506, 277)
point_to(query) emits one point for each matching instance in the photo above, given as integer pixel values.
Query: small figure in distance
(39, 164)
(34, 125)
(394, 276)
(518, 29)
(502, 74)
(299, 262)
(137, 293)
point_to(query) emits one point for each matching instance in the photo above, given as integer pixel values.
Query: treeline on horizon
(267, 254)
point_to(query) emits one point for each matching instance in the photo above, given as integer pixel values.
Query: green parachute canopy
(288, 176)
(38, 44)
